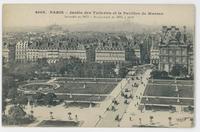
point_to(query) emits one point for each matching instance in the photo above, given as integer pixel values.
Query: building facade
(8, 52)
(191, 60)
(54, 52)
(110, 54)
(154, 57)
(5, 53)
(21, 51)
(173, 49)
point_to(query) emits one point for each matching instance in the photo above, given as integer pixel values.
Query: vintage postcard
(98, 65)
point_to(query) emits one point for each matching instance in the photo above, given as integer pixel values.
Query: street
(108, 118)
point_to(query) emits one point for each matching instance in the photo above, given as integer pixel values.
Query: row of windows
(173, 59)
(110, 55)
(21, 46)
(174, 51)
(167, 67)
(155, 61)
(110, 58)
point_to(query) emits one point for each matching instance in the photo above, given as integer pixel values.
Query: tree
(156, 74)
(49, 98)
(8, 83)
(51, 114)
(122, 72)
(4, 103)
(24, 71)
(12, 93)
(38, 97)
(42, 62)
(190, 108)
(192, 121)
(16, 115)
(178, 70)
(22, 100)
(69, 115)
(16, 112)
(32, 113)
(151, 119)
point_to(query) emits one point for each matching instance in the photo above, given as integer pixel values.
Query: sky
(23, 15)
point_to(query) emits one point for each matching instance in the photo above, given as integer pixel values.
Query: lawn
(184, 82)
(57, 123)
(86, 88)
(81, 98)
(114, 80)
(184, 90)
(35, 87)
(167, 101)
(168, 89)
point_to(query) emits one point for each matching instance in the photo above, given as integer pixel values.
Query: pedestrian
(76, 117)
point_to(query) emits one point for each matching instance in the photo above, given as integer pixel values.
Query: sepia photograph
(98, 65)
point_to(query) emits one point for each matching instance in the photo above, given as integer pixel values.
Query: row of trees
(74, 67)
(17, 116)
(38, 99)
(44, 99)
(151, 122)
(177, 71)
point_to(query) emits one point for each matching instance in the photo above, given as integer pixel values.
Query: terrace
(165, 93)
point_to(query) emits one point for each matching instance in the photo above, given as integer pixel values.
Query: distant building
(154, 57)
(173, 48)
(145, 46)
(54, 51)
(90, 53)
(5, 53)
(154, 51)
(191, 59)
(78, 53)
(110, 54)
(21, 51)
(8, 52)
(129, 54)
(137, 53)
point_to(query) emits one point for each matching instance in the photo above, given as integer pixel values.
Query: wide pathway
(108, 118)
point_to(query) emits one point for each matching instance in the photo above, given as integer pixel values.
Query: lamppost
(192, 121)
(140, 121)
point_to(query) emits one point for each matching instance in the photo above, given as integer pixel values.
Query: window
(165, 59)
(171, 52)
(170, 59)
(184, 52)
(184, 60)
(178, 60)
(177, 52)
